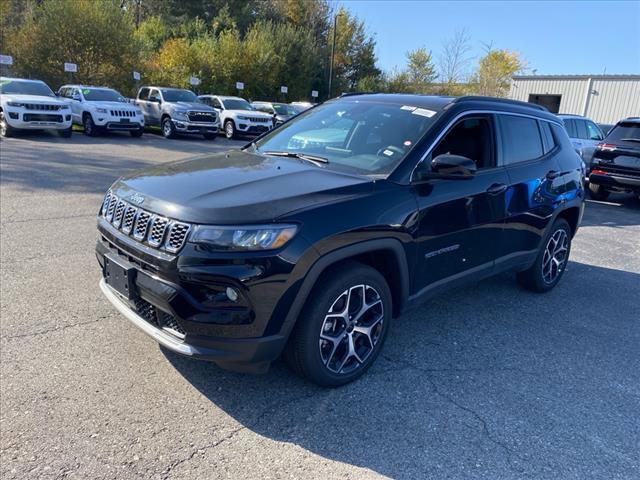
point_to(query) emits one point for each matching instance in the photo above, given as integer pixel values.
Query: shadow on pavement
(486, 380)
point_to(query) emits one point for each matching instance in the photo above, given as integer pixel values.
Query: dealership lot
(488, 381)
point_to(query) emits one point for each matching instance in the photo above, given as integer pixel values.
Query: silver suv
(176, 111)
(584, 135)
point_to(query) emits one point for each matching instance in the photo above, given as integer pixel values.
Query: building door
(550, 102)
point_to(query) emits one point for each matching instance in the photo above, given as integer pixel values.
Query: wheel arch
(572, 216)
(386, 255)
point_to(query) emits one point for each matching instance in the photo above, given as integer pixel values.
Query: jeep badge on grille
(137, 198)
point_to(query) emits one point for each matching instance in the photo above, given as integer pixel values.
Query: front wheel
(551, 261)
(90, 128)
(168, 128)
(136, 133)
(229, 129)
(598, 192)
(342, 327)
(66, 133)
(6, 130)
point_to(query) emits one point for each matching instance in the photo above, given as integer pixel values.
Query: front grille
(168, 322)
(41, 117)
(41, 106)
(123, 113)
(256, 119)
(208, 117)
(158, 318)
(146, 227)
(146, 311)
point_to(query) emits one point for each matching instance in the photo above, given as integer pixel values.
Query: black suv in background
(616, 161)
(314, 237)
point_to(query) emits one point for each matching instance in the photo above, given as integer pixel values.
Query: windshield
(102, 95)
(368, 138)
(284, 109)
(624, 132)
(25, 88)
(175, 95)
(236, 104)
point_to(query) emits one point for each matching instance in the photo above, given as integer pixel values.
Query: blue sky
(553, 37)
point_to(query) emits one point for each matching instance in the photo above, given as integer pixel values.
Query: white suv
(237, 116)
(101, 108)
(31, 105)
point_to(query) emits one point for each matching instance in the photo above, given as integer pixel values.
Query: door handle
(552, 174)
(496, 188)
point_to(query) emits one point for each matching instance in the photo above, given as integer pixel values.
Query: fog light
(13, 115)
(232, 294)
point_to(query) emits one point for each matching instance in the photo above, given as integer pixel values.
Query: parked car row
(31, 104)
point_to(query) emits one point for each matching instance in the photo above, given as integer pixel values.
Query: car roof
(74, 85)
(570, 115)
(22, 79)
(630, 120)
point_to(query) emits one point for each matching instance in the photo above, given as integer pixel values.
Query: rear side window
(594, 131)
(625, 132)
(570, 127)
(581, 126)
(549, 142)
(521, 140)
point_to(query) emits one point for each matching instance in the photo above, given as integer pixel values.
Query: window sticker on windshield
(407, 143)
(388, 153)
(86, 91)
(424, 112)
(408, 107)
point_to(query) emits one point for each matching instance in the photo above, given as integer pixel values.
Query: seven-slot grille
(41, 106)
(257, 119)
(208, 117)
(123, 113)
(154, 230)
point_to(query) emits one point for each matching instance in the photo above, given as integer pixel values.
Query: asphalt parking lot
(488, 381)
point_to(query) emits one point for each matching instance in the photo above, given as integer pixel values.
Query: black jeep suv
(313, 238)
(616, 161)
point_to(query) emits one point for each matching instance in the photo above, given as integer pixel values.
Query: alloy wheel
(229, 130)
(351, 329)
(3, 125)
(166, 128)
(555, 256)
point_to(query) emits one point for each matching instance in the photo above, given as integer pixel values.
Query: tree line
(263, 43)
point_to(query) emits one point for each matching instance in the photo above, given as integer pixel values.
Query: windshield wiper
(630, 139)
(315, 159)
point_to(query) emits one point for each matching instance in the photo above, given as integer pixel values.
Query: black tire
(136, 133)
(598, 192)
(66, 133)
(534, 278)
(230, 129)
(209, 135)
(168, 128)
(90, 128)
(6, 130)
(304, 352)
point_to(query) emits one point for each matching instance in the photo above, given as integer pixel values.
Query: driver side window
(471, 137)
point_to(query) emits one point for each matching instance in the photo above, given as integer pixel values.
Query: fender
(342, 253)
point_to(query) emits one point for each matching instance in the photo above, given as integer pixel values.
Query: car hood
(11, 97)
(193, 106)
(113, 105)
(249, 113)
(237, 188)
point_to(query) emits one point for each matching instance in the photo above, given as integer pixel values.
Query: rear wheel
(168, 129)
(551, 261)
(598, 192)
(90, 128)
(342, 328)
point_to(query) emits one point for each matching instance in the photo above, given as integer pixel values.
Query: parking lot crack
(51, 330)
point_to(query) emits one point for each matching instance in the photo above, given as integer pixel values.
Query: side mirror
(448, 167)
(154, 99)
(76, 97)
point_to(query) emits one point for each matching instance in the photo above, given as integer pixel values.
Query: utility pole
(333, 48)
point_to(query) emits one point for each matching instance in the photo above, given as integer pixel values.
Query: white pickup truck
(31, 105)
(176, 110)
(102, 109)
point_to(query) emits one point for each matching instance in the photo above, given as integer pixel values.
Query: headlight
(65, 107)
(180, 113)
(244, 118)
(250, 237)
(101, 110)
(15, 104)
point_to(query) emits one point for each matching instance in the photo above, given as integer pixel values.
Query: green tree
(421, 71)
(495, 70)
(84, 33)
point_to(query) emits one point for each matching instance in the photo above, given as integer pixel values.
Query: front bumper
(253, 128)
(38, 120)
(247, 354)
(184, 126)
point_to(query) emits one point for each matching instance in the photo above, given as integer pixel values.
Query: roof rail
(472, 98)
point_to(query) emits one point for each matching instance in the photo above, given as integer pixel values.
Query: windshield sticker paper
(424, 112)
(408, 107)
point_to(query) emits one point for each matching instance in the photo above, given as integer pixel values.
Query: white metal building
(603, 98)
